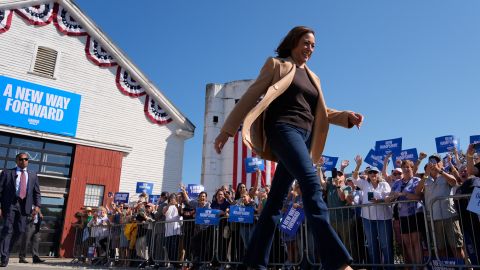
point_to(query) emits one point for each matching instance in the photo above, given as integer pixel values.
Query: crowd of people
(382, 217)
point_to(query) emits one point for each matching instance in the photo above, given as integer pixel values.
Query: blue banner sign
(475, 139)
(241, 214)
(252, 163)
(37, 107)
(407, 154)
(144, 187)
(194, 190)
(329, 163)
(292, 220)
(446, 143)
(121, 197)
(205, 216)
(375, 159)
(153, 198)
(389, 146)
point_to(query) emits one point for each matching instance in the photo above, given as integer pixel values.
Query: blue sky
(411, 67)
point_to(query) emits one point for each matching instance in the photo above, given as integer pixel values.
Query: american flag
(240, 153)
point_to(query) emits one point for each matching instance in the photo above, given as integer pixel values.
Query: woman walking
(289, 125)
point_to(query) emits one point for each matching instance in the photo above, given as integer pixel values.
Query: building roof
(186, 127)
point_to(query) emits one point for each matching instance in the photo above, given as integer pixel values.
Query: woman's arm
(385, 165)
(471, 170)
(358, 161)
(417, 163)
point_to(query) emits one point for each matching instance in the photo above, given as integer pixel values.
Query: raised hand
(220, 141)
(358, 160)
(344, 164)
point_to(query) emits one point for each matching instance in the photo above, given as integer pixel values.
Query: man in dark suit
(31, 236)
(19, 198)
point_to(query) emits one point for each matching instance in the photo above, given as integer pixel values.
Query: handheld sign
(474, 203)
(329, 163)
(121, 197)
(375, 159)
(292, 220)
(389, 146)
(153, 198)
(252, 163)
(241, 214)
(144, 187)
(194, 190)
(36, 107)
(204, 216)
(408, 154)
(475, 139)
(446, 143)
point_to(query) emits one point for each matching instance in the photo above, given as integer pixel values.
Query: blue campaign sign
(389, 146)
(241, 214)
(37, 107)
(329, 163)
(153, 198)
(375, 159)
(475, 139)
(121, 197)
(144, 186)
(205, 216)
(193, 190)
(446, 143)
(407, 154)
(292, 220)
(252, 163)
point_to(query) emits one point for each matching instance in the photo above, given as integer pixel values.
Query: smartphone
(370, 196)
(347, 190)
(334, 173)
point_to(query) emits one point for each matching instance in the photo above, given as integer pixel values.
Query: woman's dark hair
(290, 41)
(238, 192)
(171, 197)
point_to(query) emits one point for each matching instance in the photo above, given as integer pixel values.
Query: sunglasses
(23, 159)
(397, 174)
(372, 172)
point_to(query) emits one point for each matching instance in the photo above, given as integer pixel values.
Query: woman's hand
(220, 141)
(358, 160)
(356, 119)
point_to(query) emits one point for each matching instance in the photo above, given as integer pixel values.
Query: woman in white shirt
(172, 227)
(377, 218)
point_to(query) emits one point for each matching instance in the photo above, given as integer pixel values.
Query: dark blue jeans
(291, 145)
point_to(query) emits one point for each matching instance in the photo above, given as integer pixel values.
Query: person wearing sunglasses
(19, 198)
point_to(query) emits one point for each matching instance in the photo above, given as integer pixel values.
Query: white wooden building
(127, 131)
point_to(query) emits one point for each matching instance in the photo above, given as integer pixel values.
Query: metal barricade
(183, 242)
(131, 244)
(232, 243)
(91, 244)
(455, 232)
(380, 240)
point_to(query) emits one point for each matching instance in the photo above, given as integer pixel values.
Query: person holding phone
(377, 218)
(437, 183)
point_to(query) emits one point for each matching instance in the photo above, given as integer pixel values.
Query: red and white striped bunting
(127, 85)
(37, 15)
(155, 113)
(97, 54)
(5, 20)
(65, 23)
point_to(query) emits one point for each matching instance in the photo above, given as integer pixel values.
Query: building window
(45, 61)
(94, 195)
(46, 157)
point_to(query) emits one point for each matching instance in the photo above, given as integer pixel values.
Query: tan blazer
(274, 78)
